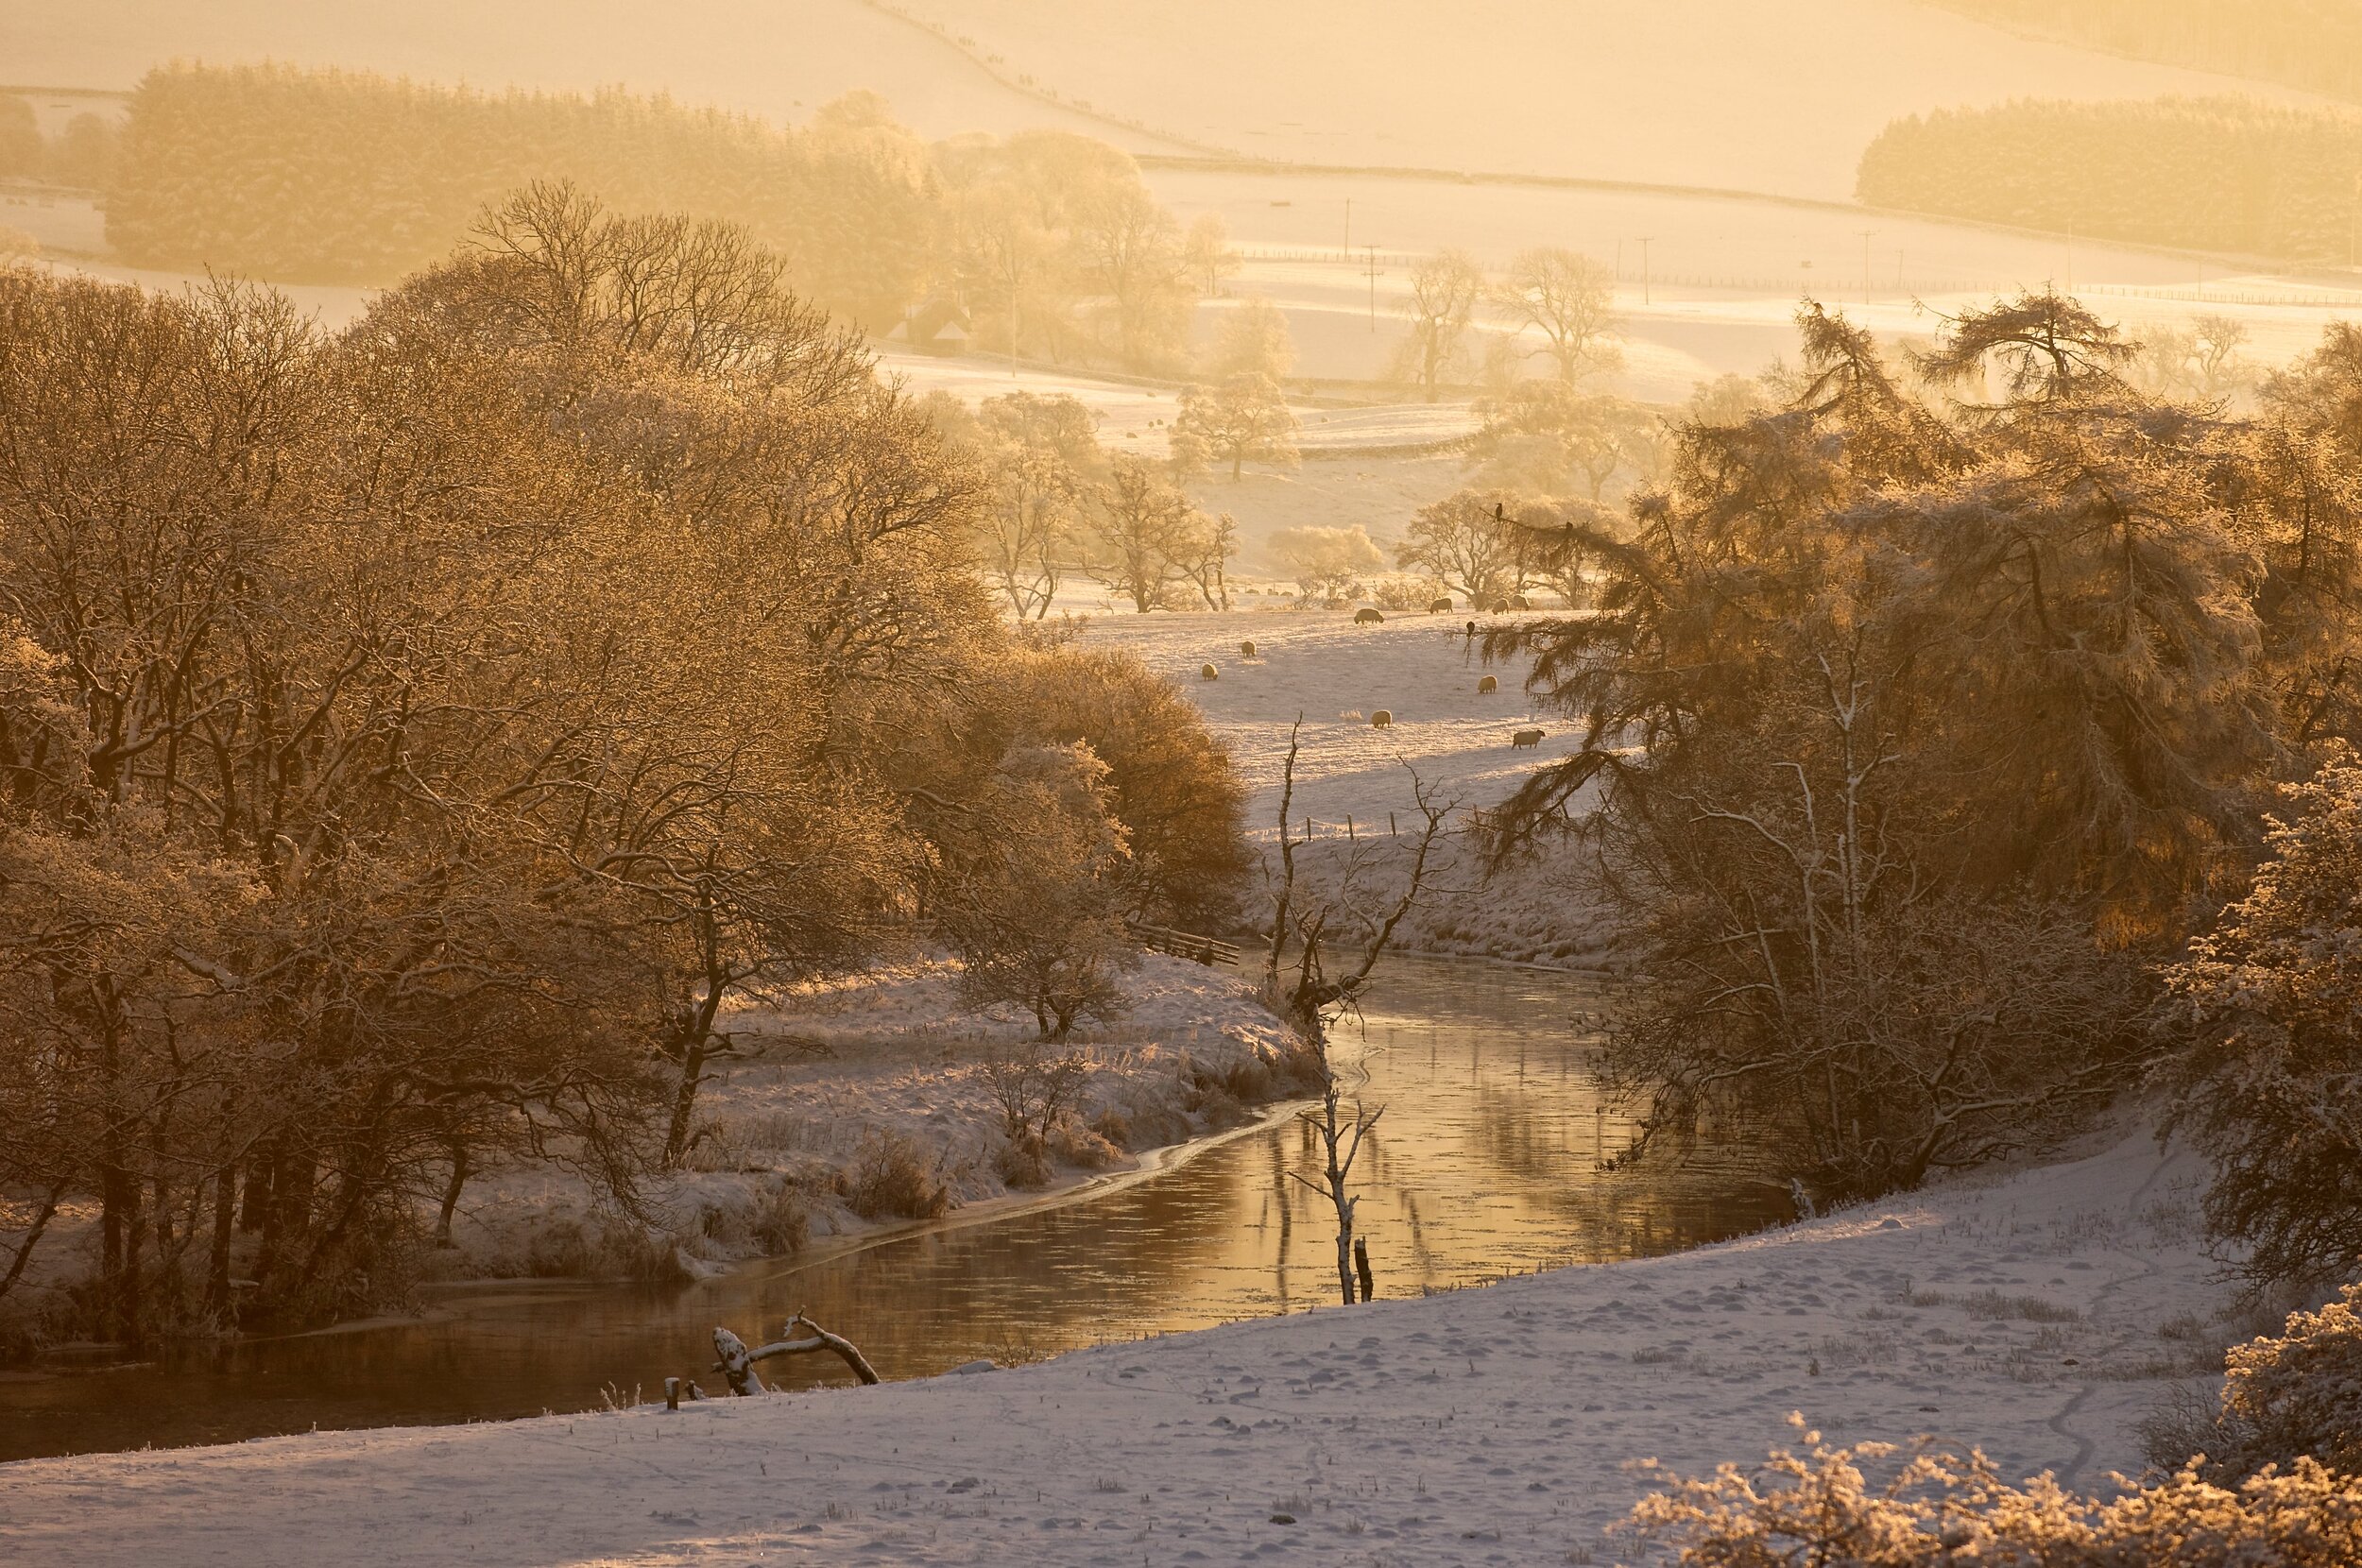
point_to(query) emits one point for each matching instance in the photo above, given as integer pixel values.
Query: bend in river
(1486, 1164)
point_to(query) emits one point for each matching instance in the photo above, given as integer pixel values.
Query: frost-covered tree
(1444, 289)
(1252, 339)
(2273, 1089)
(1469, 543)
(1036, 917)
(1326, 561)
(1243, 417)
(1208, 252)
(1143, 529)
(1568, 299)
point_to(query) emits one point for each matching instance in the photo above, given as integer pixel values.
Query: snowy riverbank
(2039, 1315)
(857, 1099)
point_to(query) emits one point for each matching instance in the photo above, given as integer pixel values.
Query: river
(1483, 1164)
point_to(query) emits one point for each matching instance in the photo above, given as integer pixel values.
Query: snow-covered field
(1420, 668)
(1355, 779)
(1725, 92)
(2038, 1314)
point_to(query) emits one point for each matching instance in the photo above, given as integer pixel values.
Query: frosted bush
(2297, 1395)
(1939, 1510)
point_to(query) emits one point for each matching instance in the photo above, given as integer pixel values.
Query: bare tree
(1570, 299)
(1469, 542)
(1145, 528)
(1311, 996)
(1210, 254)
(1445, 288)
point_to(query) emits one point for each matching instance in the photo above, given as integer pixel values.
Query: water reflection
(1485, 1165)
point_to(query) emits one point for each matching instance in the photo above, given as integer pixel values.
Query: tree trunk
(459, 1174)
(692, 1066)
(1361, 1267)
(217, 1255)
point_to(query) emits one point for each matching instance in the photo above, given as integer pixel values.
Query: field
(1774, 98)
(1354, 793)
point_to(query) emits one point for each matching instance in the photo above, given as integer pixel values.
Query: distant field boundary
(1174, 163)
(1024, 85)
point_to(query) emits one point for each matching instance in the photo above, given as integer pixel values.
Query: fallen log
(736, 1362)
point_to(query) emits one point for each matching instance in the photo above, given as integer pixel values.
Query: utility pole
(1644, 268)
(1373, 269)
(1865, 267)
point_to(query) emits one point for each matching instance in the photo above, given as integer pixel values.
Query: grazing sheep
(1368, 617)
(1383, 718)
(1499, 605)
(1525, 737)
(1439, 607)
(1520, 601)
(1489, 685)
(1208, 673)
(1246, 650)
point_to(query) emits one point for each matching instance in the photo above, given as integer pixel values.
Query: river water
(1483, 1164)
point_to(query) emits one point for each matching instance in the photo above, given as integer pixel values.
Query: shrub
(888, 1179)
(2285, 1397)
(1081, 1147)
(1938, 1510)
(782, 1223)
(1023, 1161)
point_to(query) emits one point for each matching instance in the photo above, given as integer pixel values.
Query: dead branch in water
(736, 1362)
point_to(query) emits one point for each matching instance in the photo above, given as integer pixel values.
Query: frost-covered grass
(1481, 1426)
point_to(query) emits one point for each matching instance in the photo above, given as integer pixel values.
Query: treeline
(1918, 734)
(1048, 242)
(418, 743)
(330, 176)
(2309, 43)
(2205, 174)
(82, 153)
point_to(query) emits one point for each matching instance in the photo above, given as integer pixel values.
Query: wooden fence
(1188, 944)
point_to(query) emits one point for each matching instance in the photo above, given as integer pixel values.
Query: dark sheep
(1489, 685)
(1525, 737)
(1439, 607)
(1208, 673)
(1246, 650)
(1383, 718)
(1368, 617)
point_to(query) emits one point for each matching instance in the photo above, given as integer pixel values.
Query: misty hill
(2308, 43)
(1722, 93)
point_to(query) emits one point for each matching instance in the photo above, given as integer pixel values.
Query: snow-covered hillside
(1724, 93)
(2038, 1316)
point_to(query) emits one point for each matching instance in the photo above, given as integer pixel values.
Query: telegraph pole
(1373, 270)
(1865, 267)
(1644, 268)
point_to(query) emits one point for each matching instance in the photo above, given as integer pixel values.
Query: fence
(1188, 944)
